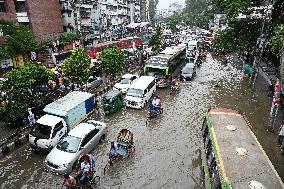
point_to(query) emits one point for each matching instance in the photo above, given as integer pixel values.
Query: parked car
(80, 140)
(188, 72)
(94, 82)
(125, 81)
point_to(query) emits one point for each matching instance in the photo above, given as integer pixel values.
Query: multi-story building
(144, 10)
(43, 17)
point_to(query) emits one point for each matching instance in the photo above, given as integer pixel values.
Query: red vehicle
(123, 43)
(128, 42)
(92, 51)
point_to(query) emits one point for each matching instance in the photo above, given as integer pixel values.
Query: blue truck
(60, 117)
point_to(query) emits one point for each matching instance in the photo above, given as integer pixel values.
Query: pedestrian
(281, 134)
(31, 117)
(270, 89)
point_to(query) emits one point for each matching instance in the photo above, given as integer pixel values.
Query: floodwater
(167, 148)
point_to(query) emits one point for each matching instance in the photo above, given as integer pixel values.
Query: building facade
(43, 17)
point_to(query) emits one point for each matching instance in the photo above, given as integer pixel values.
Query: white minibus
(140, 92)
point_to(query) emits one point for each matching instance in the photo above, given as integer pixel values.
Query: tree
(231, 8)
(197, 13)
(152, 10)
(276, 41)
(26, 76)
(68, 37)
(240, 34)
(19, 40)
(77, 67)
(155, 41)
(112, 60)
(20, 86)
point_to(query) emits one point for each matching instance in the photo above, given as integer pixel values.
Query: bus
(162, 65)
(232, 157)
(122, 43)
(92, 51)
(127, 42)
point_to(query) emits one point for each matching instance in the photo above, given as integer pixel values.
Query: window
(89, 137)
(57, 128)
(20, 6)
(2, 6)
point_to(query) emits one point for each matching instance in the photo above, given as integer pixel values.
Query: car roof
(189, 65)
(50, 119)
(81, 130)
(112, 93)
(128, 75)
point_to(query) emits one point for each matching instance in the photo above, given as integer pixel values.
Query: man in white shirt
(281, 134)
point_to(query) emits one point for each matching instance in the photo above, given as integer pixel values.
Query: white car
(125, 81)
(80, 140)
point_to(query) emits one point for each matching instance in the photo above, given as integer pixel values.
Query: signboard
(6, 63)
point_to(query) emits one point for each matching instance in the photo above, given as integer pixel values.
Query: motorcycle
(174, 88)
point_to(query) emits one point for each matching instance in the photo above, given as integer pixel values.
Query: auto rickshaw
(113, 101)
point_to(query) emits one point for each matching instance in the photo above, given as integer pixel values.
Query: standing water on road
(167, 148)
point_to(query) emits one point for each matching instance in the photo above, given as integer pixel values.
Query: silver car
(80, 140)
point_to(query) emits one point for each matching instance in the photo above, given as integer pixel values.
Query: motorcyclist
(173, 82)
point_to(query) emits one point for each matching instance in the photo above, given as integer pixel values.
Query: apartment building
(43, 17)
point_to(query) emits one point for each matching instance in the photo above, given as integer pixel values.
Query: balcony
(22, 17)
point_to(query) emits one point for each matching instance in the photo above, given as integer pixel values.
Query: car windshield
(41, 131)
(135, 93)
(69, 144)
(187, 70)
(124, 81)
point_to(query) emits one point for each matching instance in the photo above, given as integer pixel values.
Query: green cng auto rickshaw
(113, 101)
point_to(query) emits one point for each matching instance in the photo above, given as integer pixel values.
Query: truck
(60, 116)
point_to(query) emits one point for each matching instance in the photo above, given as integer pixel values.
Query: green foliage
(155, 41)
(20, 40)
(28, 75)
(16, 85)
(197, 13)
(174, 20)
(152, 10)
(276, 41)
(7, 27)
(67, 37)
(13, 112)
(231, 8)
(241, 34)
(112, 59)
(77, 67)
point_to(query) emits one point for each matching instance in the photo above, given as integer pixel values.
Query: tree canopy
(67, 37)
(112, 59)
(239, 35)
(19, 40)
(20, 86)
(77, 67)
(155, 41)
(152, 10)
(276, 41)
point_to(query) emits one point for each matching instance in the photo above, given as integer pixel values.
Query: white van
(140, 92)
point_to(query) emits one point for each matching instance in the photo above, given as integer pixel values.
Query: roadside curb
(13, 145)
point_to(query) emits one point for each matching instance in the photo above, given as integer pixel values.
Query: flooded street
(167, 148)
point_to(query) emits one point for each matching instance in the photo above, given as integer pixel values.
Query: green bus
(162, 65)
(232, 157)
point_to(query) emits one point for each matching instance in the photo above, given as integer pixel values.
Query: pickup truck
(61, 115)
